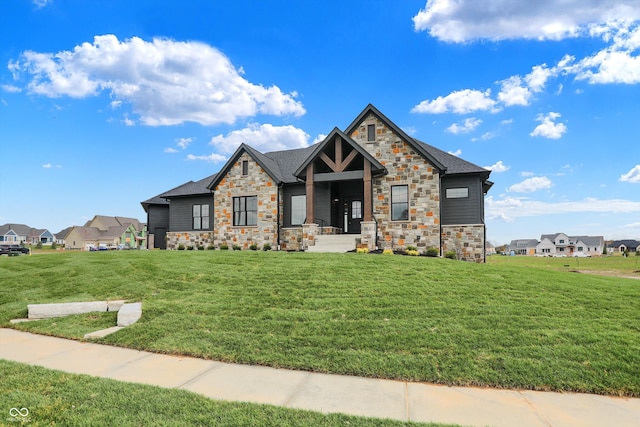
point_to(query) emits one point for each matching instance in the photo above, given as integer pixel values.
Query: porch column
(368, 204)
(309, 189)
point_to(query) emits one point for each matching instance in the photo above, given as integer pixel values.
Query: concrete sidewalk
(321, 392)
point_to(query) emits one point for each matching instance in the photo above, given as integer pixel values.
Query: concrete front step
(336, 243)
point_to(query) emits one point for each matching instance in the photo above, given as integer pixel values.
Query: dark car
(14, 249)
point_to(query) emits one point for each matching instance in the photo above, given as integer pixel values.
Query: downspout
(278, 218)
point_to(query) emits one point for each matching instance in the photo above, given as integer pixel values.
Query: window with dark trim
(356, 209)
(457, 193)
(245, 210)
(245, 167)
(399, 203)
(298, 209)
(200, 217)
(371, 132)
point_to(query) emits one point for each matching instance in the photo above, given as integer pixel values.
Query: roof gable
(266, 163)
(319, 148)
(370, 109)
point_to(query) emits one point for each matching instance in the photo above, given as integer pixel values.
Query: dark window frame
(403, 202)
(245, 211)
(303, 213)
(245, 167)
(199, 220)
(371, 133)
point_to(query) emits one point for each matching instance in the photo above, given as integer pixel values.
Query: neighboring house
(558, 244)
(523, 247)
(490, 249)
(371, 181)
(622, 245)
(107, 231)
(23, 234)
(61, 235)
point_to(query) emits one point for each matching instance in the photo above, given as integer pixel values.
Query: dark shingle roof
(190, 188)
(453, 164)
(289, 160)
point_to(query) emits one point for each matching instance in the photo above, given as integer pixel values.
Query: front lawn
(413, 318)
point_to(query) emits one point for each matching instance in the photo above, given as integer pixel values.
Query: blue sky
(106, 104)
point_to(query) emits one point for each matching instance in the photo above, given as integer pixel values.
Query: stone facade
(188, 239)
(406, 167)
(255, 183)
(291, 239)
(468, 241)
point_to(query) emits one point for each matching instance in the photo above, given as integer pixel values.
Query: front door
(352, 216)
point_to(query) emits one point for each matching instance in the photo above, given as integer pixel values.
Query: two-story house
(371, 181)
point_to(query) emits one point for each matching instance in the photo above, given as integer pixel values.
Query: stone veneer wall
(256, 183)
(468, 241)
(189, 238)
(291, 239)
(405, 166)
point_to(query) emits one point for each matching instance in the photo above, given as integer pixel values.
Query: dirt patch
(609, 273)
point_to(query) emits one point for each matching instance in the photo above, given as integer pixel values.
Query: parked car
(559, 255)
(13, 249)
(581, 255)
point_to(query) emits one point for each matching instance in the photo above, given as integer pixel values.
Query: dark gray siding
(322, 193)
(468, 210)
(181, 212)
(157, 216)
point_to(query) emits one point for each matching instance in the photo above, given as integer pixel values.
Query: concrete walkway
(321, 392)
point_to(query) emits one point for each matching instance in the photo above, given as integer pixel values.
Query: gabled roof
(62, 234)
(370, 109)
(376, 166)
(22, 230)
(269, 165)
(631, 244)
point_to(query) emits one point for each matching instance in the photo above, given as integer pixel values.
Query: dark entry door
(352, 216)
(159, 241)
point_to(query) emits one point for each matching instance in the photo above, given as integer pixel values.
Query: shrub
(201, 247)
(253, 247)
(39, 245)
(190, 248)
(236, 247)
(224, 247)
(433, 252)
(412, 252)
(266, 247)
(54, 246)
(211, 247)
(451, 255)
(362, 250)
(181, 247)
(387, 252)
(411, 248)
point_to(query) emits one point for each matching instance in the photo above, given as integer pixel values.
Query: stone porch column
(309, 233)
(368, 234)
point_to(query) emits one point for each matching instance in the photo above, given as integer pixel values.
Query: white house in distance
(559, 244)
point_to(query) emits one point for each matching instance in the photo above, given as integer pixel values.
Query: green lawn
(58, 398)
(508, 323)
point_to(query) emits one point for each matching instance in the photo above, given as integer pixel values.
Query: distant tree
(604, 251)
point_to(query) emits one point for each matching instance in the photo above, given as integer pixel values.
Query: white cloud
(456, 153)
(632, 176)
(264, 138)
(498, 167)
(183, 142)
(212, 158)
(170, 150)
(548, 128)
(166, 82)
(318, 138)
(11, 88)
(461, 21)
(518, 90)
(469, 125)
(47, 166)
(509, 208)
(128, 122)
(461, 102)
(41, 3)
(530, 185)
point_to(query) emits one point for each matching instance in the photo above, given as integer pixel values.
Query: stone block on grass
(129, 313)
(46, 311)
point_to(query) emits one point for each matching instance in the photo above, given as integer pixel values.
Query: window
(457, 193)
(356, 209)
(245, 167)
(561, 241)
(371, 132)
(298, 209)
(245, 210)
(399, 203)
(200, 217)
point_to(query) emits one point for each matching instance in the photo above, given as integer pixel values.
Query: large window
(245, 210)
(298, 209)
(399, 203)
(200, 217)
